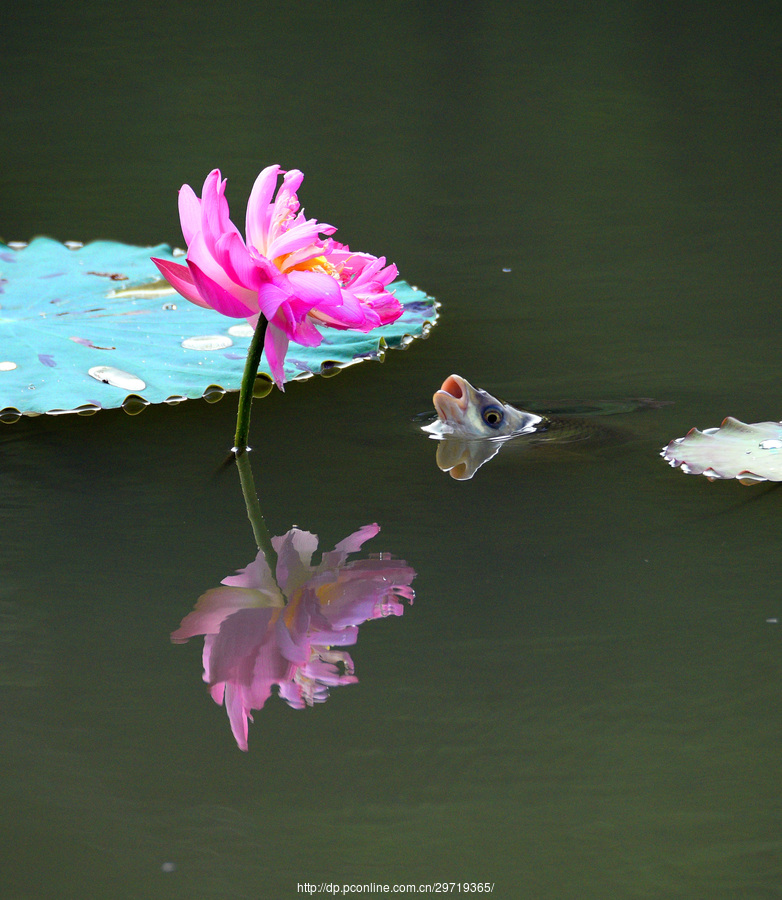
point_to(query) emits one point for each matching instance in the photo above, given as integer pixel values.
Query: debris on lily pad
(750, 453)
(89, 327)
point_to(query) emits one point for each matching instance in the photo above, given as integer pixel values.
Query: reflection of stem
(254, 514)
(248, 382)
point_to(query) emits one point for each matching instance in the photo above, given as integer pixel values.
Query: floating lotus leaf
(89, 327)
(751, 453)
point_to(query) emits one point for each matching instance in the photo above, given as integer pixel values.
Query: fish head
(468, 412)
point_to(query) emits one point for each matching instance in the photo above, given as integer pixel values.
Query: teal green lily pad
(89, 327)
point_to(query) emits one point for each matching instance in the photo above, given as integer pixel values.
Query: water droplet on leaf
(117, 378)
(214, 393)
(208, 342)
(262, 386)
(244, 331)
(328, 368)
(133, 404)
(9, 415)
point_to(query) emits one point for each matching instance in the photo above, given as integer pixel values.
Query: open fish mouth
(451, 401)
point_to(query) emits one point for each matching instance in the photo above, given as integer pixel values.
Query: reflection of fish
(472, 426)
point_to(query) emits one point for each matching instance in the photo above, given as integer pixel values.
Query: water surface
(583, 700)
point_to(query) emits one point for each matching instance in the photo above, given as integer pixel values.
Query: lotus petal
(750, 453)
(89, 327)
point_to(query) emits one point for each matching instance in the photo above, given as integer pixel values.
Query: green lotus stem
(260, 531)
(246, 391)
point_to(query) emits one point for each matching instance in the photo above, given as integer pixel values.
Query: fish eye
(493, 416)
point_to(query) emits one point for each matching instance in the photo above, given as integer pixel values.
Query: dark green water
(584, 699)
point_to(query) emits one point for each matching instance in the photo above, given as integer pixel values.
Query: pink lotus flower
(260, 631)
(288, 271)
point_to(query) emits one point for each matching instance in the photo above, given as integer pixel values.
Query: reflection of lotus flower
(751, 453)
(260, 632)
(286, 271)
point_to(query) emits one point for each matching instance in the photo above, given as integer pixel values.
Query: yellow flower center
(316, 264)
